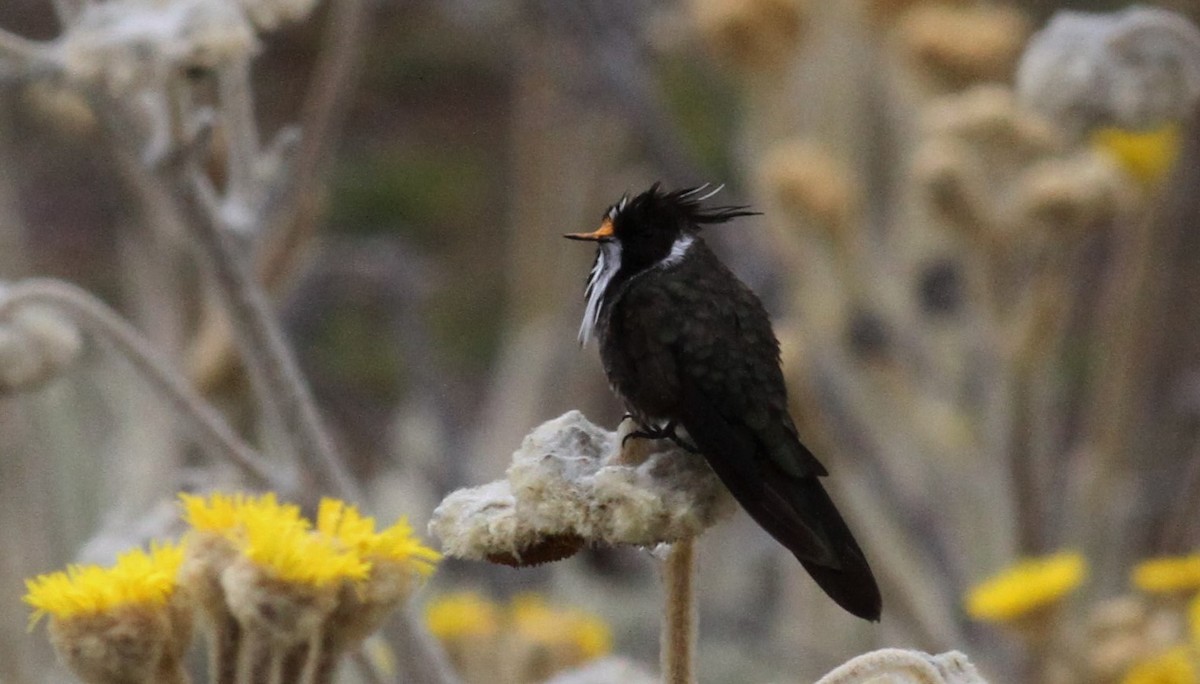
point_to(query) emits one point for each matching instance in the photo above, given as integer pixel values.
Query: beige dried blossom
(127, 45)
(902, 666)
(994, 172)
(36, 345)
(809, 184)
(568, 486)
(954, 46)
(752, 35)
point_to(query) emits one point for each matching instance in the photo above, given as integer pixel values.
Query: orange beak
(604, 231)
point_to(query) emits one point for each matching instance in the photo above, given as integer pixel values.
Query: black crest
(674, 211)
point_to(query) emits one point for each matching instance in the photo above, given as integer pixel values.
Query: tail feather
(796, 511)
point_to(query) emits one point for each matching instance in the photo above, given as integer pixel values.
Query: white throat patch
(608, 262)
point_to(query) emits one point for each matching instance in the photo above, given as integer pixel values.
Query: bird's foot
(665, 432)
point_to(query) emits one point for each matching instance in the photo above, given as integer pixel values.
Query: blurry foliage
(704, 104)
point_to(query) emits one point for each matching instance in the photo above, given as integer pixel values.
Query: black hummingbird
(686, 344)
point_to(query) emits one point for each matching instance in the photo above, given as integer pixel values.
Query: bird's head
(655, 228)
(646, 229)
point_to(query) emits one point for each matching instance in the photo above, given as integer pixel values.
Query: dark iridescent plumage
(683, 341)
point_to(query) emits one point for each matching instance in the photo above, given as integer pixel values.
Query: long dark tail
(795, 510)
(851, 584)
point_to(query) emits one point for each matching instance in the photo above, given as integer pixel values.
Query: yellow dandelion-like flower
(539, 622)
(1176, 666)
(276, 537)
(290, 551)
(137, 578)
(343, 522)
(225, 513)
(461, 614)
(1145, 155)
(1028, 585)
(1168, 574)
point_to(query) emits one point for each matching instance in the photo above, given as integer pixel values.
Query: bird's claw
(665, 432)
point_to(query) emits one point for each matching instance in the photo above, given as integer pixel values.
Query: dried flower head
(566, 487)
(128, 44)
(1136, 69)
(753, 35)
(904, 665)
(1031, 584)
(953, 46)
(36, 345)
(809, 184)
(1064, 195)
(998, 174)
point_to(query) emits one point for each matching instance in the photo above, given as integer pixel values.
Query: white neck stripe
(682, 244)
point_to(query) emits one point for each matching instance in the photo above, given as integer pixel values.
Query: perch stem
(679, 613)
(262, 341)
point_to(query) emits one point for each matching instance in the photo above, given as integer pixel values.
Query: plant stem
(679, 614)
(88, 312)
(282, 389)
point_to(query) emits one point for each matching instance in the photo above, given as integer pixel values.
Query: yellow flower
(275, 537)
(225, 513)
(1168, 574)
(137, 578)
(538, 622)
(1028, 585)
(1176, 666)
(290, 551)
(461, 614)
(1145, 155)
(341, 521)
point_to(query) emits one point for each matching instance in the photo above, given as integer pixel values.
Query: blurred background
(987, 297)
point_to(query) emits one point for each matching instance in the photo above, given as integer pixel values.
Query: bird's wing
(733, 404)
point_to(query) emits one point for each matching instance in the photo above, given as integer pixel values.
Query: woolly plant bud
(955, 46)
(36, 344)
(1062, 196)
(126, 44)
(1137, 69)
(811, 185)
(1124, 630)
(568, 486)
(998, 174)
(64, 108)
(752, 35)
(904, 666)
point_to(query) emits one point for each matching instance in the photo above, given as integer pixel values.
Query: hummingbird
(689, 350)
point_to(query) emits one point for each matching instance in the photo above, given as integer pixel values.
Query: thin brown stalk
(283, 389)
(679, 614)
(224, 645)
